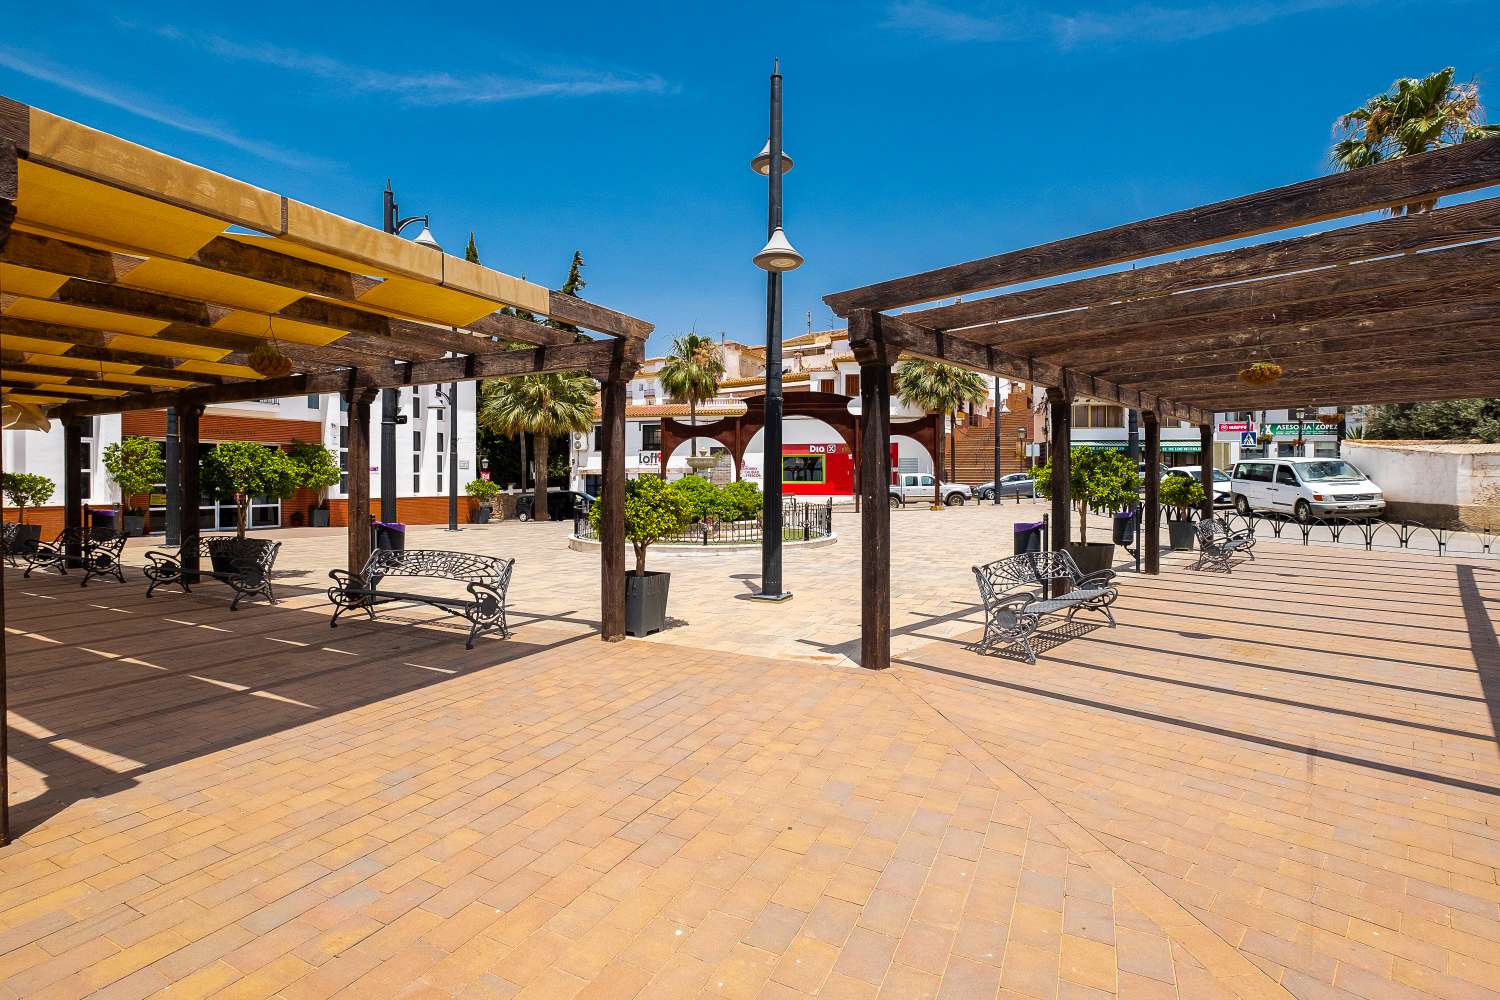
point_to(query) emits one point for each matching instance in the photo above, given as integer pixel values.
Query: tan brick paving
(1276, 783)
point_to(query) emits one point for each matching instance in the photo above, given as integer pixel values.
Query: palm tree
(937, 388)
(544, 406)
(691, 375)
(1414, 116)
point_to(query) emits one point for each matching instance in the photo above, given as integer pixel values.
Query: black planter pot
(1183, 534)
(319, 516)
(646, 602)
(481, 515)
(1091, 557)
(135, 524)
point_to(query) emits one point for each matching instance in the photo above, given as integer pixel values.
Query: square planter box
(646, 603)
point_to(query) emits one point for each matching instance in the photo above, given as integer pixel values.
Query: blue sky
(924, 132)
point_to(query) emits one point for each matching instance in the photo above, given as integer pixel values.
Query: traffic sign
(1248, 440)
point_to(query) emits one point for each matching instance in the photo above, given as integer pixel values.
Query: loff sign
(649, 458)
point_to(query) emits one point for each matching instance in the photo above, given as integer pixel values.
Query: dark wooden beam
(76, 376)
(1288, 392)
(875, 358)
(612, 568)
(9, 187)
(580, 312)
(1461, 365)
(358, 493)
(1036, 336)
(1453, 169)
(1473, 221)
(37, 389)
(72, 478)
(1151, 526)
(1060, 454)
(1477, 346)
(1206, 469)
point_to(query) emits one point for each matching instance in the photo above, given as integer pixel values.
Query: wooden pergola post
(1152, 523)
(73, 484)
(1206, 468)
(1060, 453)
(612, 493)
(358, 493)
(874, 436)
(189, 490)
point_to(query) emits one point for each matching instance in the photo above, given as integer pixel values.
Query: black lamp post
(995, 411)
(390, 400)
(775, 258)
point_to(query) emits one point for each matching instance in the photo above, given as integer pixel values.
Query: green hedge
(739, 501)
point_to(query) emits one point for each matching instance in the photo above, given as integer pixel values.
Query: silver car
(918, 486)
(1017, 484)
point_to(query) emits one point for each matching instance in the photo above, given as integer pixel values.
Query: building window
(86, 474)
(416, 460)
(313, 400)
(1098, 415)
(598, 437)
(650, 437)
(440, 462)
(851, 385)
(802, 469)
(344, 458)
(416, 403)
(1325, 449)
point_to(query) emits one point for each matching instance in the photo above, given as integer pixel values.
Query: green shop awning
(1181, 446)
(1191, 446)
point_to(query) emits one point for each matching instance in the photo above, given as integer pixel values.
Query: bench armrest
(1097, 580)
(170, 556)
(346, 580)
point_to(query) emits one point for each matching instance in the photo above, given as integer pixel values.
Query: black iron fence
(800, 522)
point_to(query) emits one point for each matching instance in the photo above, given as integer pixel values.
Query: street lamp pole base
(772, 598)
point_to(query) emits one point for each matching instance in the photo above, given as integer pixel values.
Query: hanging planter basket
(268, 360)
(1330, 419)
(1264, 438)
(1260, 373)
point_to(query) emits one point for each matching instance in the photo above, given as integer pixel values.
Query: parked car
(1305, 488)
(1017, 484)
(911, 486)
(1223, 496)
(561, 505)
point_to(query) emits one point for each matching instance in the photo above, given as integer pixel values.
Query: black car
(561, 505)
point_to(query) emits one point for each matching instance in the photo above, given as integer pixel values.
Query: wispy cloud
(423, 87)
(114, 95)
(1145, 22)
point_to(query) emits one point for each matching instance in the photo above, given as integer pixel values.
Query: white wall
(1413, 474)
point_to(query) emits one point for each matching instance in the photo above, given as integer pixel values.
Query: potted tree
(484, 492)
(1181, 495)
(316, 470)
(236, 471)
(25, 489)
(134, 465)
(1099, 479)
(653, 511)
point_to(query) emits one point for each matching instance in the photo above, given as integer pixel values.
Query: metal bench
(487, 579)
(1015, 601)
(1217, 545)
(18, 541)
(96, 551)
(244, 564)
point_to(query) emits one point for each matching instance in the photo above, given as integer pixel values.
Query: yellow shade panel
(465, 276)
(35, 396)
(91, 319)
(210, 368)
(74, 205)
(432, 302)
(290, 330)
(167, 348)
(32, 345)
(203, 284)
(83, 365)
(136, 168)
(360, 245)
(313, 255)
(15, 280)
(87, 390)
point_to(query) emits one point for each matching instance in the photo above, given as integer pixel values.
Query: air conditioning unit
(580, 441)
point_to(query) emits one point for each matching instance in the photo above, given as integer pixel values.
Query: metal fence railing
(800, 522)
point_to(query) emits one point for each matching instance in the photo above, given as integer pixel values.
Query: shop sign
(1235, 426)
(1307, 429)
(649, 458)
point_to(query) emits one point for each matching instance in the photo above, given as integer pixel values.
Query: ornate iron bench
(1217, 545)
(244, 564)
(1013, 610)
(18, 541)
(487, 578)
(96, 551)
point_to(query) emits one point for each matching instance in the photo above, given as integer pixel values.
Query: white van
(1304, 488)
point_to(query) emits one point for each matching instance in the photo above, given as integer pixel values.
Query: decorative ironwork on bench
(244, 564)
(487, 579)
(96, 551)
(1013, 611)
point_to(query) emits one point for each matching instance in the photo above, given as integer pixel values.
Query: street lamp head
(778, 254)
(425, 239)
(761, 164)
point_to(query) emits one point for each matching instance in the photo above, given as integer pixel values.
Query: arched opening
(816, 460)
(724, 470)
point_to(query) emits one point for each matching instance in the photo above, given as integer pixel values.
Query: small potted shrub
(1181, 495)
(1100, 479)
(484, 493)
(23, 489)
(318, 470)
(134, 465)
(318, 516)
(653, 511)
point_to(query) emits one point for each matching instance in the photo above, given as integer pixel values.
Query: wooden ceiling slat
(1446, 226)
(1451, 170)
(119, 380)
(1473, 354)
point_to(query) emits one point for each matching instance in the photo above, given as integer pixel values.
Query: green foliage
(135, 465)
(1448, 420)
(1180, 493)
(25, 489)
(483, 490)
(471, 252)
(544, 406)
(692, 370)
(936, 387)
(1414, 116)
(317, 468)
(653, 511)
(1099, 479)
(235, 471)
(741, 500)
(699, 496)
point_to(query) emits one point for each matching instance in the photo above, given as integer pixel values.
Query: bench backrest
(1024, 570)
(438, 564)
(260, 551)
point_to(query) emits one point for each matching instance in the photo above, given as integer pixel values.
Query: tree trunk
(521, 440)
(937, 464)
(539, 453)
(640, 559)
(953, 447)
(241, 513)
(692, 441)
(1083, 522)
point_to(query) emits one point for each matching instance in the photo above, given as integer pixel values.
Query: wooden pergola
(1401, 309)
(131, 280)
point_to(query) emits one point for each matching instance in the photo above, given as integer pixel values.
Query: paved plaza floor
(1280, 782)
